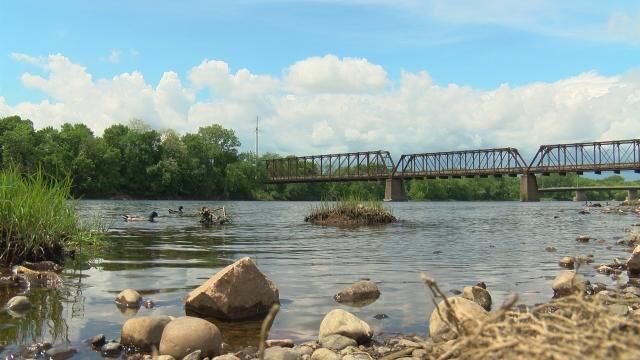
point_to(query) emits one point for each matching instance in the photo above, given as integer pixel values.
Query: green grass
(350, 210)
(38, 220)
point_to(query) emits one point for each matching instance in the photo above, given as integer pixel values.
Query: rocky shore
(584, 320)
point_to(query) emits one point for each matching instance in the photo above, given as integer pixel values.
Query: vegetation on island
(135, 161)
(37, 219)
(350, 210)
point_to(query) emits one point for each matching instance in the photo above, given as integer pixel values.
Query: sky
(327, 76)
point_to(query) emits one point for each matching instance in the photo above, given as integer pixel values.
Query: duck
(151, 217)
(179, 211)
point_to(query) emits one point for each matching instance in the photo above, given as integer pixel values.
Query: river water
(457, 243)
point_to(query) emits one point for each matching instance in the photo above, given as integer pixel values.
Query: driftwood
(217, 216)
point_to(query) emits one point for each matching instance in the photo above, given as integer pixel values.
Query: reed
(350, 210)
(37, 219)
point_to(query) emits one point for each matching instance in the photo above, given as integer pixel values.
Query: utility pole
(257, 118)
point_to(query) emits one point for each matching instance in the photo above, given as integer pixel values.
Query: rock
(238, 291)
(340, 322)
(380, 316)
(419, 354)
(61, 353)
(185, 334)
(324, 354)
(19, 303)
(567, 282)
(633, 264)
(550, 249)
(357, 356)
(604, 269)
(337, 342)
(479, 295)
(196, 355)
(164, 357)
(632, 290)
(582, 238)
(226, 357)
(360, 291)
(468, 313)
(408, 343)
(280, 353)
(567, 262)
(42, 266)
(96, 341)
(584, 259)
(111, 348)
(280, 342)
(129, 298)
(144, 332)
(303, 350)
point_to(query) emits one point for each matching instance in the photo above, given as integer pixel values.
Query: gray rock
(186, 334)
(196, 355)
(144, 332)
(337, 342)
(478, 295)
(61, 353)
(19, 303)
(238, 291)
(340, 322)
(358, 292)
(303, 350)
(111, 348)
(96, 341)
(129, 298)
(280, 353)
(324, 354)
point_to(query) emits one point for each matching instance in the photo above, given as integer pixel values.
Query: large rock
(567, 282)
(280, 353)
(144, 332)
(478, 295)
(340, 322)
(468, 313)
(633, 264)
(363, 291)
(187, 334)
(238, 291)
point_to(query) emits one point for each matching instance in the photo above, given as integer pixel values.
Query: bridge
(594, 157)
(581, 191)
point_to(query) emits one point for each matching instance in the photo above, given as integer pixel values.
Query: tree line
(136, 161)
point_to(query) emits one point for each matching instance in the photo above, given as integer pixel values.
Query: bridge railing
(589, 156)
(369, 165)
(484, 162)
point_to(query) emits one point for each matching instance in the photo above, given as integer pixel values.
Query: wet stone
(550, 249)
(111, 348)
(193, 356)
(96, 341)
(632, 290)
(61, 353)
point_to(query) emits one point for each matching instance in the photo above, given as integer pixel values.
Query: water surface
(457, 243)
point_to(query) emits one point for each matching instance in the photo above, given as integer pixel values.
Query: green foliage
(37, 221)
(504, 188)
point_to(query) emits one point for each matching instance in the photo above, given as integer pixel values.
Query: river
(457, 243)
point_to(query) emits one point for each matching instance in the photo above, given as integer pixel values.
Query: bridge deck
(589, 188)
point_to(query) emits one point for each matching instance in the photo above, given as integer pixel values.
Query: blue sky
(474, 44)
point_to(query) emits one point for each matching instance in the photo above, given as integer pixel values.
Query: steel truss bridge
(616, 156)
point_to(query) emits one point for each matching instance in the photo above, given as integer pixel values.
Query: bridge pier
(529, 188)
(394, 190)
(581, 195)
(632, 195)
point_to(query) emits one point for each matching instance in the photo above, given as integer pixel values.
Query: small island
(348, 212)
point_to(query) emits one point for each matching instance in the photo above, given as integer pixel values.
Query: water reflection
(458, 244)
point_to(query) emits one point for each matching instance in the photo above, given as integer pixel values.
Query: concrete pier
(581, 195)
(394, 190)
(529, 188)
(633, 194)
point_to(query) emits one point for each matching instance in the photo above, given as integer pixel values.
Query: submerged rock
(19, 303)
(567, 262)
(129, 298)
(239, 291)
(583, 238)
(363, 291)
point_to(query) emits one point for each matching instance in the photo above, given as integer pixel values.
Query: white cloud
(26, 58)
(329, 74)
(303, 113)
(625, 27)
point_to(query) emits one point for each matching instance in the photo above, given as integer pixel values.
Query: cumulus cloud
(329, 74)
(326, 104)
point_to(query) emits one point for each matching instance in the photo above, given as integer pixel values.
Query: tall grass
(37, 219)
(350, 210)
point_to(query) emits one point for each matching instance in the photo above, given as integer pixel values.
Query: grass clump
(37, 219)
(351, 210)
